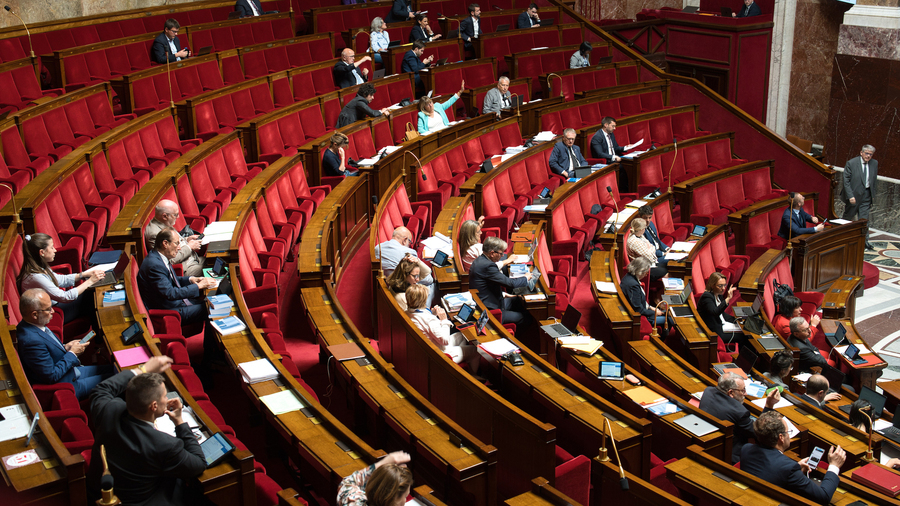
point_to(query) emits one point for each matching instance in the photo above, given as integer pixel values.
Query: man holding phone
(766, 460)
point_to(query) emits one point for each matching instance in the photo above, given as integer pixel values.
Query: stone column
(780, 66)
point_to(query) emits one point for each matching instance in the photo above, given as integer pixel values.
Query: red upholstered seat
(706, 208)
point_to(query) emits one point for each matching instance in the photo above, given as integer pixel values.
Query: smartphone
(88, 337)
(778, 387)
(119, 286)
(815, 457)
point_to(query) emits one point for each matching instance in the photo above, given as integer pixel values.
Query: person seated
(77, 302)
(470, 244)
(750, 9)
(725, 401)
(249, 8)
(379, 40)
(384, 483)
(486, 277)
(794, 219)
(413, 62)
(712, 306)
(166, 215)
(791, 307)
(817, 391)
(437, 327)
(780, 368)
(603, 143)
(858, 411)
(566, 156)
(166, 46)
(433, 118)
(637, 297)
(810, 356)
(401, 11)
(394, 250)
(581, 58)
(639, 247)
(766, 460)
(497, 99)
(358, 108)
(334, 161)
(346, 71)
(45, 359)
(421, 30)
(529, 18)
(645, 213)
(405, 275)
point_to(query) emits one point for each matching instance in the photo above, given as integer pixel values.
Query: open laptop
(852, 354)
(378, 74)
(839, 334)
(690, 9)
(611, 371)
(770, 343)
(442, 61)
(893, 432)
(465, 313)
(746, 361)
(394, 43)
(744, 311)
(440, 259)
(543, 198)
(679, 299)
(569, 325)
(453, 34)
(115, 275)
(699, 231)
(548, 22)
(875, 399)
(582, 171)
(726, 12)
(205, 50)
(835, 378)
(502, 28)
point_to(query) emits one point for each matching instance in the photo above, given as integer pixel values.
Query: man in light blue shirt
(392, 252)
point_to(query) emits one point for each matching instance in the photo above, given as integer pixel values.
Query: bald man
(347, 73)
(165, 215)
(392, 251)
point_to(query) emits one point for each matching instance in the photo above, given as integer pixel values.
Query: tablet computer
(216, 448)
(611, 371)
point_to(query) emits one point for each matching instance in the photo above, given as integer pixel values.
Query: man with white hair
(497, 98)
(165, 215)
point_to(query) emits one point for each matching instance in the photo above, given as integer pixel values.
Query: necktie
(866, 174)
(609, 143)
(253, 7)
(359, 79)
(572, 160)
(505, 101)
(175, 280)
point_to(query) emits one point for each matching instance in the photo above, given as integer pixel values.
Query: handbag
(411, 133)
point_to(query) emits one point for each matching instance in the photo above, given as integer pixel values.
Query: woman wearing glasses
(406, 274)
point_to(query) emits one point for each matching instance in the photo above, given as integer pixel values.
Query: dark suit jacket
(485, 277)
(812, 401)
(243, 7)
(158, 291)
(44, 362)
(710, 312)
(809, 354)
(653, 236)
(725, 408)
(467, 29)
(797, 224)
(161, 46)
(754, 11)
(774, 467)
(355, 110)
(559, 158)
(412, 63)
(631, 289)
(855, 183)
(524, 21)
(417, 33)
(144, 461)
(343, 74)
(600, 148)
(399, 12)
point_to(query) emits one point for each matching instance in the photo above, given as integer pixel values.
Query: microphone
(612, 227)
(518, 107)
(869, 457)
(108, 496)
(417, 161)
(604, 457)
(551, 74)
(652, 146)
(12, 195)
(675, 142)
(30, 48)
(169, 76)
(655, 332)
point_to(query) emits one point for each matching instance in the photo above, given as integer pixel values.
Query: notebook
(696, 425)
(568, 326)
(346, 351)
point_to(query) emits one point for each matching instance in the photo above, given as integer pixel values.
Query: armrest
(568, 248)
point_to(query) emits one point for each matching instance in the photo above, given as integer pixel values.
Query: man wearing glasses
(766, 460)
(725, 401)
(392, 251)
(44, 357)
(166, 47)
(166, 214)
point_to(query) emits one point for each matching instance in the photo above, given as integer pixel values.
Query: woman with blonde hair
(436, 326)
(432, 117)
(639, 247)
(406, 273)
(470, 246)
(384, 483)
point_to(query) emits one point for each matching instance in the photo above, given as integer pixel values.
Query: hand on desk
(158, 364)
(203, 283)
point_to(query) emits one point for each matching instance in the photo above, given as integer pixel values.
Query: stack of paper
(644, 396)
(164, 424)
(515, 149)
(453, 301)
(15, 423)
(636, 203)
(783, 403)
(664, 408)
(283, 402)
(218, 231)
(535, 208)
(676, 284)
(114, 298)
(498, 347)
(518, 270)
(219, 305)
(520, 259)
(622, 215)
(229, 325)
(674, 255)
(437, 242)
(544, 136)
(682, 246)
(257, 371)
(588, 347)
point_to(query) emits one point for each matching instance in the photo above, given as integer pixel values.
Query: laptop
(527, 290)
(770, 343)
(442, 61)
(515, 101)
(378, 74)
(216, 448)
(611, 371)
(548, 22)
(699, 231)
(835, 338)
(502, 28)
(679, 299)
(755, 324)
(440, 259)
(487, 166)
(115, 275)
(893, 432)
(394, 43)
(543, 198)
(465, 312)
(681, 311)
(219, 270)
(582, 171)
(453, 34)
(852, 354)
(696, 425)
(834, 377)
(690, 9)
(746, 359)
(205, 50)
(745, 312)
(726, 12)
(875, 399)
(570, 320)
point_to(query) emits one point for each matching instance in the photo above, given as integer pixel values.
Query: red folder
(878, 478)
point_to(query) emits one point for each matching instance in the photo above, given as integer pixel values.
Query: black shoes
(869, 246)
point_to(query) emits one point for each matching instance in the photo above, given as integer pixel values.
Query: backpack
(779, 292)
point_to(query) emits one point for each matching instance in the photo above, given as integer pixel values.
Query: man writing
(794, 220)
(566, 156)
(149, 466)
(860, 178)
(766, 460)
(166, 47)
(347, 73)
(165, 215)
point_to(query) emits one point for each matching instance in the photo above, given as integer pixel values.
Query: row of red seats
(762, 233)
(256, 31)
(159, 90)
(533, 64)
(268, 60)
(589, 112)
(701, 155)
(461, 7)
(449, 49)
(659, 127)
(348, 17)
(475, 73)
(399, 211)
(711, 255)
(20, 85)
(522, 40)
(714, 200)
(591, 78)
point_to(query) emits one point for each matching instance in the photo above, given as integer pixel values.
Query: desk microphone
(612, 227)
(30, 48)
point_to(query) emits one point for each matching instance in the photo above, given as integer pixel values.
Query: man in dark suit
(485, 276)
(358, 108)
(470, 28)
(347, 72)
(794, 219)
(566, 156)
(750, 9)
(652, 234)
(766, 461)
(166, 46)
(725, 401)
(817, 391)
(248, 8)
(810, 356)
(412, 62)
(603, 143)
(860, 179)
(400, 11)
(529, 18)
(148, 465)
(44, 357)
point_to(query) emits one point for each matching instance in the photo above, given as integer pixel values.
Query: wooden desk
(449, 278)
(861, 375)
(605, 479)
(867, 494)
(541, 494)
(823, 258)
(617, 313)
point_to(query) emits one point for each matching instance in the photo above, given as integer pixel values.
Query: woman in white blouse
(378, 38)
(470, 244)
(639, 246)
(435, 325)
(582, 57)
(38, 251)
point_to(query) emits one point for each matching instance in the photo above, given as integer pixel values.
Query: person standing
(860, 179)
(470, 28)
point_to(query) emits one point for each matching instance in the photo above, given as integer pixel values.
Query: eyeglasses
(48, 310)
(415, 276)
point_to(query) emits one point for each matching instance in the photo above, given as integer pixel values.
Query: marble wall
(35, 11)
(626, 9)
